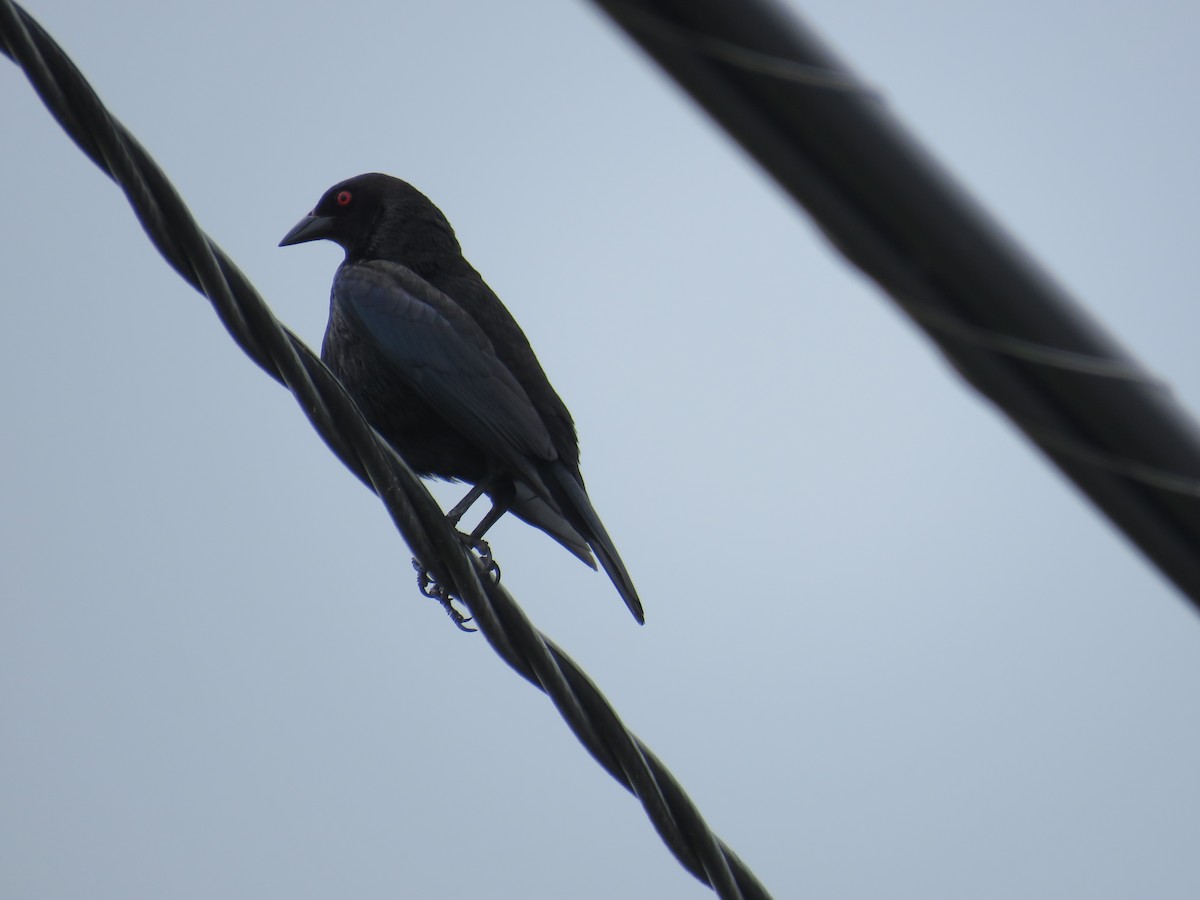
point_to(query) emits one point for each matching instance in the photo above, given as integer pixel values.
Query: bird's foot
(430, 588)
(481, 555)
(484, 561)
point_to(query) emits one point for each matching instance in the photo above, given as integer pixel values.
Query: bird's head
(377, 216)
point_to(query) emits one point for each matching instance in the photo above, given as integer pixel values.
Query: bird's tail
(577, 508)
(541, 514)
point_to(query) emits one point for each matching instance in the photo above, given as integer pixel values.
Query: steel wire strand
(280, 353)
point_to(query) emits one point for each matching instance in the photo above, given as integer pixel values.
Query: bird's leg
(461, 507)
(473, 542)
(501, 493)
(502, 497)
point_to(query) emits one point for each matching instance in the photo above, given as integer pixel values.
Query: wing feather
(443, 355)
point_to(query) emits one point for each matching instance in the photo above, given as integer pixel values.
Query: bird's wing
(444, 356)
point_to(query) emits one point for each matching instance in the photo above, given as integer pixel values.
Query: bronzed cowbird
(443, 372)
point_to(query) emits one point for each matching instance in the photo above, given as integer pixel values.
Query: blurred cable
(285, 358)
(892, 211)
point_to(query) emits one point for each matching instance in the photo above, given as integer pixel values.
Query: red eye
(344, 198)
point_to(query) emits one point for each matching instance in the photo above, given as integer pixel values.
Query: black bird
(442, 370)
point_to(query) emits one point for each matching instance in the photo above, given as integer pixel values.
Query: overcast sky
(889, 651)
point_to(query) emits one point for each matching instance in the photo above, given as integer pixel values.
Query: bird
(443, 372)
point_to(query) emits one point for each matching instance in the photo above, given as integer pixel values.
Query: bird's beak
(310, 228)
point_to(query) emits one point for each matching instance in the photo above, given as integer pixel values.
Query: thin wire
(201, 263)
(1051, 439)
(1029, 351)
(745, 58)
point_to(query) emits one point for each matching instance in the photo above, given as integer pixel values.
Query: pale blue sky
(889, 651)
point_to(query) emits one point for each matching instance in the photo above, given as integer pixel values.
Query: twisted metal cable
(284, 357)
(887, 206)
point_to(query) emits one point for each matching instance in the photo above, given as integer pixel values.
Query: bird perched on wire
(443, 372)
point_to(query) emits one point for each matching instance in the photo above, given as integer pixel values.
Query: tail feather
(537, 512)
(578, 510)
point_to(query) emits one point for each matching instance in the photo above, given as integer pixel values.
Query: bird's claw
(481, 555)
(430, 588)
(484, 561)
